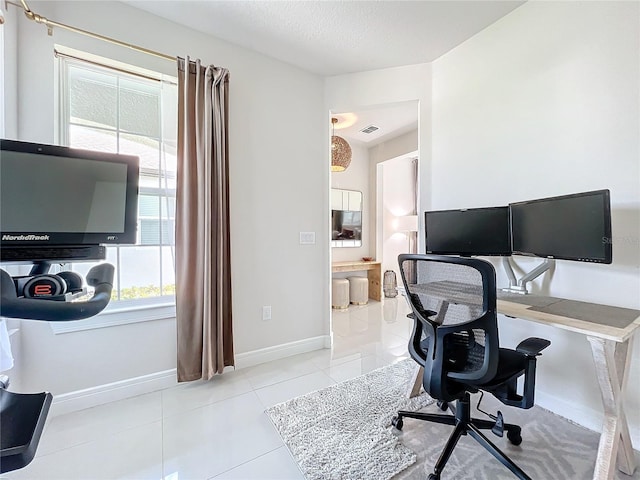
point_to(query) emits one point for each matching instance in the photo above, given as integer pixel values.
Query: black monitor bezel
(469, 254)
(129, 233)
(606, 240)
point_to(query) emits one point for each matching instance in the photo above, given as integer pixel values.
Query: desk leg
(612, 361)
(414, 388)
(375, 283)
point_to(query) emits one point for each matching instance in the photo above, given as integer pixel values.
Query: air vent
(369, 129)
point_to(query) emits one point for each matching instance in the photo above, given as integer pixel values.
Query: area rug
(552, 448)
(342, 432)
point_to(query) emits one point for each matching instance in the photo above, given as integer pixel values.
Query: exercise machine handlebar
(12, 306)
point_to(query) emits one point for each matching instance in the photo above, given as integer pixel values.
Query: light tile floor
(216, 429)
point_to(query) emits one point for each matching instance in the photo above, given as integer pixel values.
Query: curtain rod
(50, 24)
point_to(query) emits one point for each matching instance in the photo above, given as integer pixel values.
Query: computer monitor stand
(520, 285)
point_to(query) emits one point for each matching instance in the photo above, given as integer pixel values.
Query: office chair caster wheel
(514, 436)
(433, 476)
(442, 405)
(397, 422)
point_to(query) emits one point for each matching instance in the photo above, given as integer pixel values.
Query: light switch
(307, 238)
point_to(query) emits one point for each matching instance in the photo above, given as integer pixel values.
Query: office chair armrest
(532, 346)
(507, 391)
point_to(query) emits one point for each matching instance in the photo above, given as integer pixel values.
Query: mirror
(346, 218)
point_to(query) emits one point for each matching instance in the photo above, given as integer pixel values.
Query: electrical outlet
(266, 312)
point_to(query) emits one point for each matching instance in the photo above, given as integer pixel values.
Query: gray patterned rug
(552, 448)
(343, 432)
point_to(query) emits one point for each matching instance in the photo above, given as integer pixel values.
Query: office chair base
(465, 425)
(514, 432)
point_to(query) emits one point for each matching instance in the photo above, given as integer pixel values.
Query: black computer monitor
(468, 232)
(569, 227)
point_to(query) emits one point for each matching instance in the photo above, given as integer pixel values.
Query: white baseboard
(263, 355)
(111, 392)
(580, 414)
(131, 387)
(101, 394)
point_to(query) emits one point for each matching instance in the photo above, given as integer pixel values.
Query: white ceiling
(392, 120)
(336, 37)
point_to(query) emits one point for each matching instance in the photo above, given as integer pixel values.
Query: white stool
(359, 290)
(340, 293)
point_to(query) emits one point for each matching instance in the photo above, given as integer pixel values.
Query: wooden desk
(610, 332)
(374, 274)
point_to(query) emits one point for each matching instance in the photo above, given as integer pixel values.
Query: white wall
(397, 199)
(398, 148)
(542, 103)
(9, 101)
(278, 152)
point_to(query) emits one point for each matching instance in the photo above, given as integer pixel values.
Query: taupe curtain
(203, 267)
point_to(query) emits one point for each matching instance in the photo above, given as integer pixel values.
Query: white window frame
(122, 312)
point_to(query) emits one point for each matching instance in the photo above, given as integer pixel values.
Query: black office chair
(455, 339)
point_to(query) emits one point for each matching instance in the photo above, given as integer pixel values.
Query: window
(118, 108)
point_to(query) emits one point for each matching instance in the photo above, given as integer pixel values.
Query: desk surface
(592, 319)
(602, 321)
(374, 274)
(354, 266)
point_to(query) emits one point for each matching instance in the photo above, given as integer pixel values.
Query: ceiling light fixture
(340, 150)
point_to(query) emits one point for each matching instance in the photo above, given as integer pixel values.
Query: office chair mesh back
(447, 294)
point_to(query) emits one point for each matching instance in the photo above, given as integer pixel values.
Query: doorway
(397, 204)
(382, 138)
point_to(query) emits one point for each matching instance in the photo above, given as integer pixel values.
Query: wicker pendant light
(340, 151)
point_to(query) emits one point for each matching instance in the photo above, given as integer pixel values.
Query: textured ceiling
(337, 37)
